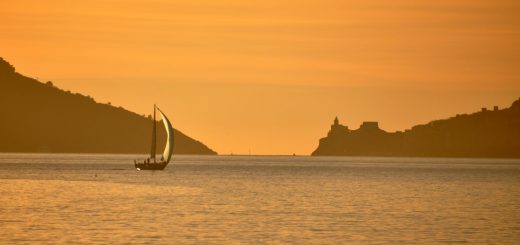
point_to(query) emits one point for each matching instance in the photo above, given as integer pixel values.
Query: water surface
(69, 198)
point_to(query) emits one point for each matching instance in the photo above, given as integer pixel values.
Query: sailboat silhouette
(151, 163)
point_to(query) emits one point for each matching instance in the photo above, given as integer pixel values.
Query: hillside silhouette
(487, 133)
(38, 117)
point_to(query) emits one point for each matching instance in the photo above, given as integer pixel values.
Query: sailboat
(152, 163)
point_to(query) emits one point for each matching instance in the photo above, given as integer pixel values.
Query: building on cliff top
(369, 125)
(337, 129)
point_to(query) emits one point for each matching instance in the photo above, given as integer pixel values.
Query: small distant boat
(152, 163)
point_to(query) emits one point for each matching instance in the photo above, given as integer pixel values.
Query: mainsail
(152, 152)
(168, 149)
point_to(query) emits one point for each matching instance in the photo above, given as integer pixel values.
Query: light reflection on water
(71, 198)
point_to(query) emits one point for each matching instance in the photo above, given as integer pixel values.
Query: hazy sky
(268, 77)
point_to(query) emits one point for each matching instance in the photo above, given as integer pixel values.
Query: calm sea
(69, 198)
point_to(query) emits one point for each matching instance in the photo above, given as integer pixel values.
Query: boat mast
(152, 154)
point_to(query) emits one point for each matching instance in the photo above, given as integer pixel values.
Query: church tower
(337, 129)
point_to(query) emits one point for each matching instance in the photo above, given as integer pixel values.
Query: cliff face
(37, 117)
(486, 133)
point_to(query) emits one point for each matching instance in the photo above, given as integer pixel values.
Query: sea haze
(71, 198)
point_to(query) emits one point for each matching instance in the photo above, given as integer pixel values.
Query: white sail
(168, 149)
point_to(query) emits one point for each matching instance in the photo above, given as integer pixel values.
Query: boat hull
(151, 166)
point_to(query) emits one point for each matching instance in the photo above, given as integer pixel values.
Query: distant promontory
(487, 133)
(39, 117)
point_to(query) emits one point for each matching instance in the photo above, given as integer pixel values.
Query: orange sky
(268, 77)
